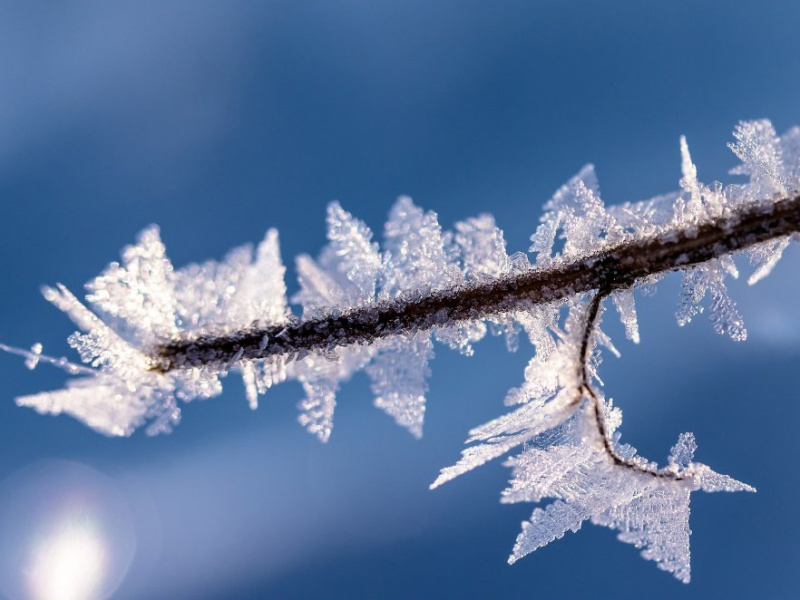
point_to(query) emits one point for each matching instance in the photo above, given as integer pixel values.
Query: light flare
(69, 565)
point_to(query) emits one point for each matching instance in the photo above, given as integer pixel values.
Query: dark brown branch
(616, 268)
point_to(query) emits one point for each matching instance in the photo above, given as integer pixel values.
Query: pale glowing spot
(69, 565)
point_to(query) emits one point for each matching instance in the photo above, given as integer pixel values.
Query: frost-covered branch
(619, 267)
(153, 336)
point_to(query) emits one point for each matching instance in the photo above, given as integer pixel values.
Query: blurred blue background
(217, 120)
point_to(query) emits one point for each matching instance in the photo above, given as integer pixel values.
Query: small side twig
(586, 389)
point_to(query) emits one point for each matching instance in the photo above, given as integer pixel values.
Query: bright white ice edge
(143, 301)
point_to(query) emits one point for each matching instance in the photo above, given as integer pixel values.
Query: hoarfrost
(142, 301)
(317, 407)
(353, 255)
(482, 248)
(587, 484)
(570, 453)
(578, 213)
(765, 256)
(550, 394)
(709, 278)
(759, 148)
(398, 373)
(790, 154)
(625, 304)
(416, 257)
(136, 296)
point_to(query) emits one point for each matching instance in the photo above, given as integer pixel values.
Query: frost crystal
(623, 300)
(398, 373)
(650, 509)
(482, 248)
(709, 278)
(765, 256)
(759, 148)
(578, 213)
(141, 307)
(416, 256)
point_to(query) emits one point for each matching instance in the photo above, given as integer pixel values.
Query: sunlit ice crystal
(650, 511)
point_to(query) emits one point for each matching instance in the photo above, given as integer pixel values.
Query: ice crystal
(549, 395)
(623, 300)
(398, 373)
(710, 279)
(649, 508)
(416, 262)
(759, 148)
(765, 256)
(696, 204)
(571, 452)
(416, 256)
(578, 213)
(482, 248)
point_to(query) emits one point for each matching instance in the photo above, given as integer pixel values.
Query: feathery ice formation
(571, 453)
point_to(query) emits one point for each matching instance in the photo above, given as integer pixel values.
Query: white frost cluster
(143, 301)
(565, 457)
(571, 466)
(568, 436)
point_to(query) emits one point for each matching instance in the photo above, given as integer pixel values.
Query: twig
(615, 268)
(586, 389)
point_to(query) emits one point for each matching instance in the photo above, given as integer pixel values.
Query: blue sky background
(217, 120)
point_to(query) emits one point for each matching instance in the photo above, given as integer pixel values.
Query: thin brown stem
(586, 389)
